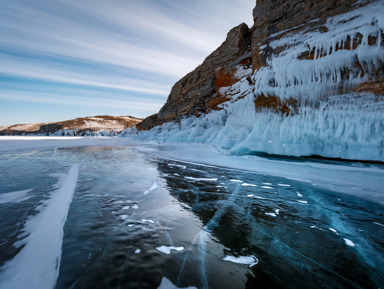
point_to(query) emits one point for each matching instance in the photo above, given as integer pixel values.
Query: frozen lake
(114, 213)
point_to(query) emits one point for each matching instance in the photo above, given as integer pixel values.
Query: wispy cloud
(133, 46)
(27, 96)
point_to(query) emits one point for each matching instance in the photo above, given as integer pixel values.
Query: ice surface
(378, 224)
(266, 187)
(125, 208)
(237, 181)
(15, 197)
(303, 202)
(244, 260)
(271, 214)
(167, 284)
(135, 207)
(123, 217)
(249, 212)
(167, 250)
(37, 264)
(153, 187)
(137, 251)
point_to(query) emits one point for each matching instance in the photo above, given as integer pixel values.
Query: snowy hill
(306, 79)
(93, 125)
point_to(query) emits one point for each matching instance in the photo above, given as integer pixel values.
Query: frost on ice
(15, 197)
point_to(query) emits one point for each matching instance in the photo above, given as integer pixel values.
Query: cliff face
(198, 92)
(312, 82)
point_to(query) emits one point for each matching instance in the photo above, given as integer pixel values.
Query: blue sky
(61, 59)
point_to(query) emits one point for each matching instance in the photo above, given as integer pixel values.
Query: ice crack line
(203, 235)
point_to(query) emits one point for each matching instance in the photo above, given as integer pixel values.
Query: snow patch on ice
(283, 185)
(167, 250)
(333, 230)
(248, 185)
(123, 217)
(202, 179)
(266, 187)
(236, 181)
(349, 242)
(176, 165)
(137, 251)
(244, 260)
(15, 197)
(135, 207)
(152, 188)
(167, 284)
(271, 214)
(147, 221)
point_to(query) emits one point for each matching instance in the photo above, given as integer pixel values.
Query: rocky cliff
(308, 78)
(198, 92)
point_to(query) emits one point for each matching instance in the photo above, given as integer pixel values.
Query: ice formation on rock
(321, 93)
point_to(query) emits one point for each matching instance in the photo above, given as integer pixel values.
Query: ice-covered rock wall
(314, 88)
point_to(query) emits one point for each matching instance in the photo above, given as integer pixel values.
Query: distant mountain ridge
(78, 126)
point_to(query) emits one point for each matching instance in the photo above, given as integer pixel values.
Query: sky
(62, 59)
